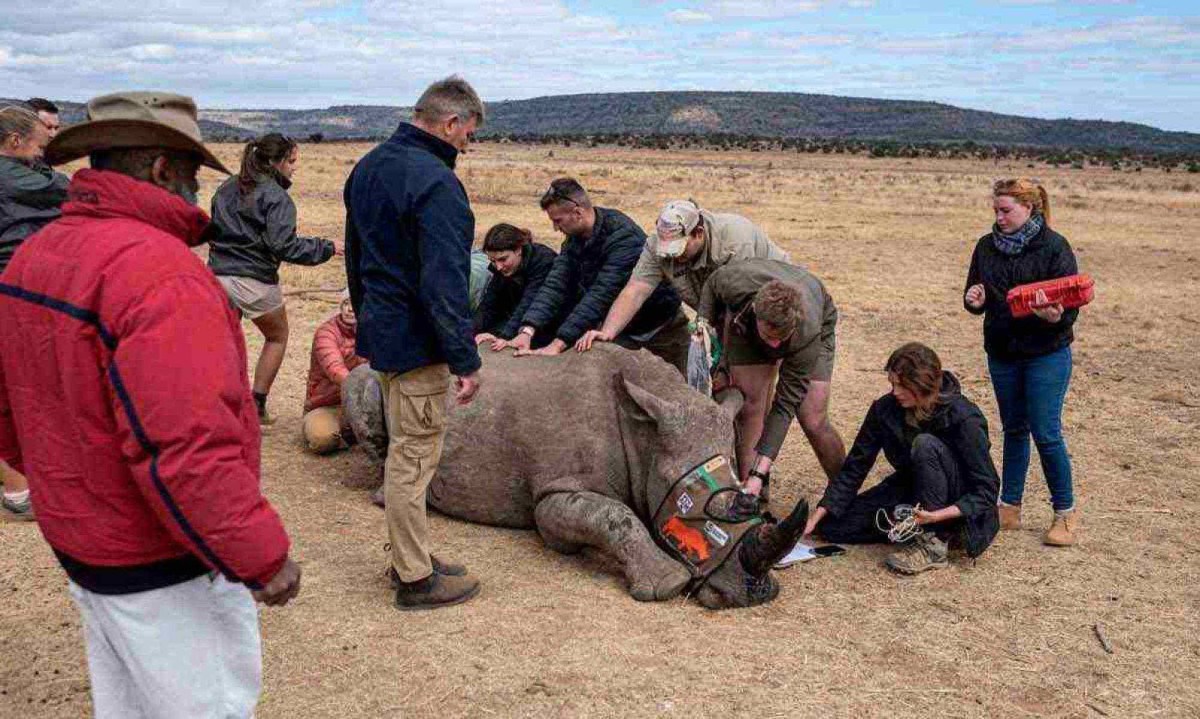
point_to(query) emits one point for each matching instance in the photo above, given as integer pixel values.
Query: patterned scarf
(1014, 244)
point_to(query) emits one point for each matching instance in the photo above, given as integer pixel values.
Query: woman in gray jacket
(255, 220)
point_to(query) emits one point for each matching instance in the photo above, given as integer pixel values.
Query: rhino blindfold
(692, 522)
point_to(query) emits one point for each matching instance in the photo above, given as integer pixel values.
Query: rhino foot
(666, 583)
(567, 520)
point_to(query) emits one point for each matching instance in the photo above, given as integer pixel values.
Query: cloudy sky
(1106, 59)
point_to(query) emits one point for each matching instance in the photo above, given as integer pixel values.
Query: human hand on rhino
(556, 347)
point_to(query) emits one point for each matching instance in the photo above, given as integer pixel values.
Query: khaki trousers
(323, 430)
(416, 416)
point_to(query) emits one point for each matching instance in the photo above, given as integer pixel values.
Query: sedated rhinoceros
(585, 448)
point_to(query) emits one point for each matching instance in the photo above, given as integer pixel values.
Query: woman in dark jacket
(255, 220)
(937, 442)
(1029, 358)
(519, 266)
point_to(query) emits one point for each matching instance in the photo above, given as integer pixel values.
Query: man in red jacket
(135, 425)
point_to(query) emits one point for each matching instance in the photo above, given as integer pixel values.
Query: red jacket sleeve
(180, 394)
(10, 451)
(327, 350)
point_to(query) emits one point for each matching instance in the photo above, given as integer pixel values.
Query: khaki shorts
(818, 356)
(251, 297)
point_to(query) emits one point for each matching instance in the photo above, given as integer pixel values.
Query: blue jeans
(1030, 393)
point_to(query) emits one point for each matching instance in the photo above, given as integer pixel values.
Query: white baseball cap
(677, 220)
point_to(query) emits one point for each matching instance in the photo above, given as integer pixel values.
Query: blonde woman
(1029, 358)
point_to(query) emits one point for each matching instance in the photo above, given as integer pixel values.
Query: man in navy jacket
(409, 229)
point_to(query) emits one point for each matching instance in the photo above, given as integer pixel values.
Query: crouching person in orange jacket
(325, 427)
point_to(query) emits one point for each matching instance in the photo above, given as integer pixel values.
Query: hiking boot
(924, 552)
(1063, 531)
(264, 418)
(446, 569)
(1010, 516)
(434, 591)
(19, 510)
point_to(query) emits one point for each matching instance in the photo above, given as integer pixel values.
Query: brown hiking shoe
(1063, 531)
(446, 569)
(1010, 516)
(434, 591)
(924, 552)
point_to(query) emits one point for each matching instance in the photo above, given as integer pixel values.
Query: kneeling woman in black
(519, 266)
(937, 441)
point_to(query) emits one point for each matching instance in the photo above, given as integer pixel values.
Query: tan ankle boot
(1063, 532)
(1010, 516)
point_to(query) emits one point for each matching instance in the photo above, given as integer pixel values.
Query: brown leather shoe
(446, 569)
(434, 591)
(1010, 516)
(1064, 530)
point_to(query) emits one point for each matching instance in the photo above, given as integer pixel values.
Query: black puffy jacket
(958, 423)
(257, 233)
(1046, 257)
(589, 274)
(506, 299)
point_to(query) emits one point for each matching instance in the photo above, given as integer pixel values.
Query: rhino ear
(642, 405)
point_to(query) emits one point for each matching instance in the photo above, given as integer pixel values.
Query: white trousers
(187, 651)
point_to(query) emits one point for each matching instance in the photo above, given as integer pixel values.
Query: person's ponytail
(1045, 198)
(259, 158)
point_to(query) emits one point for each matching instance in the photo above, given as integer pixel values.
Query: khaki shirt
(727, 237)
(806, 356)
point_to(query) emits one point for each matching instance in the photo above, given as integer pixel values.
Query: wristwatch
(526, 330)
(764, 476)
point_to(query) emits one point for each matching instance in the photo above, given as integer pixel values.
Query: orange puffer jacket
(332, 359)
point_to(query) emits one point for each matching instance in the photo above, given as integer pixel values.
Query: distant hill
(701, 114)
(73, 112)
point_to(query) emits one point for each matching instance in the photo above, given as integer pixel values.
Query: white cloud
(763, 9)
(689, 17)
(305, 53)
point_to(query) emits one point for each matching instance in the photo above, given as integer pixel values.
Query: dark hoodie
(958, 423)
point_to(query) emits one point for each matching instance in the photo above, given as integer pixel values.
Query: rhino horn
(770, 542)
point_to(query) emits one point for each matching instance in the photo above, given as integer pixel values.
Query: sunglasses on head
(557, 193)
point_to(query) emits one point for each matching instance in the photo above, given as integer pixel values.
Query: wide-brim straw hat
(133, 120)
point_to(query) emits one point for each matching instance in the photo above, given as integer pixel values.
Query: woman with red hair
(1029, 358)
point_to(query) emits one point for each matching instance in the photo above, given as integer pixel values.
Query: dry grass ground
(555, 636)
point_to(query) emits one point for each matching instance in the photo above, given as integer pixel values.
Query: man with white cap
(690, 244)
(136, 428)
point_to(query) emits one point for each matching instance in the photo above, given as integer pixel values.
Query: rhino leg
(568, 520)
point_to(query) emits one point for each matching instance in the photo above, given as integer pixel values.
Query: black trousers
(670, 343)
(934, 482)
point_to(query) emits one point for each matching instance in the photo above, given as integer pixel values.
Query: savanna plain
(1012, 635)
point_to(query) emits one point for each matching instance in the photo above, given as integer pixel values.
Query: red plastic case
(1073, 291)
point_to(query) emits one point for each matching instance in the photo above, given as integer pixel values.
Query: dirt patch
(558, 636)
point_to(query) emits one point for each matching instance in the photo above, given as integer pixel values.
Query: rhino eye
(758, 589)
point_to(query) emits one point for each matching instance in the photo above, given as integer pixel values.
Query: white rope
(901, 529)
